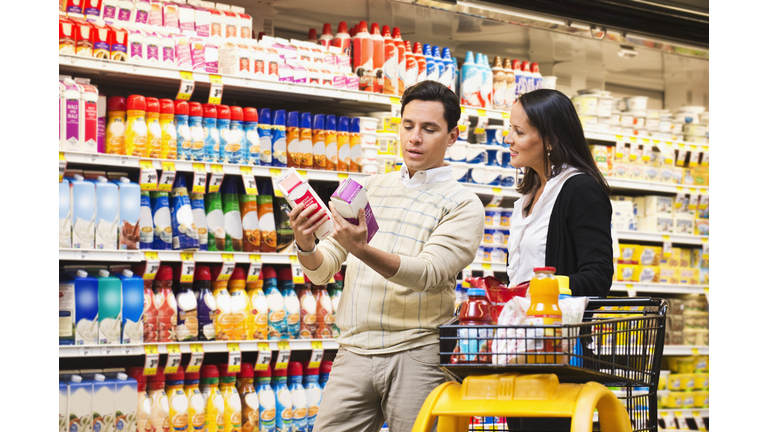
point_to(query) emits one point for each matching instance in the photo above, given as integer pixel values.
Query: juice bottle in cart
(159, 413)
(223, 315)
(136, 126)
(544, 310)
(214, 401)
(168, 144)
(154, 130)
(144, 406)
(178, 402)
(196, 401)
(206, 304)
(476, 310)
(165, 302)
(150, 309)
(240, 304)
(115, 138)
(267, 402)
(249, 400)
(233, 410)
(258, 318)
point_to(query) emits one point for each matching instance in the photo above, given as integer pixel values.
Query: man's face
(424, 135)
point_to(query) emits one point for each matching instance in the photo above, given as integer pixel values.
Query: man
(401, 286)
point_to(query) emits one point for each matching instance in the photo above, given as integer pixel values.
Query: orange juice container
(544, 310)
(241, 307)
(222, 317)
(258, 318)
(342, 141)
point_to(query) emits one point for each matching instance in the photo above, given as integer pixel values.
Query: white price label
(148, 179)
(186, 89)
(82, 255)
(466, 274)
(482, 122)
(669, 422)
(264, 357)
(496, 199)
(130, 256)
(634, 151)
(615, 243)
(487, 270)
(86, 351)
(173, 362)
(283, 355)
(152, 266)
(704, 249)
(217, 90)
(217, 178)
(235, 357)
(666, 246)
(255, 268)
(196, 359)
(167, 177)
(110, 350)
(700, 425)
(317, 354)
(227, 267)
(631, 291)
(249, 181)
(151, 362)
(187, 267)
(682, 424)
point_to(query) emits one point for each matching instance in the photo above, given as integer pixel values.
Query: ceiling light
(509, 12)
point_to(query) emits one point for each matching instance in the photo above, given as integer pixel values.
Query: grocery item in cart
(476, 310)
(544, 310)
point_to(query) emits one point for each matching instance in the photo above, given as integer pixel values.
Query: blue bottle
(252, 141)
(486, 81)
(279, 155)
(267, 400)
(314, 393)
(433, 73)
(222, 123)
(183, 134)
(438, 58)
(234, 152)
(298, 396)
(161, 217)
(210, 134)
(265, 136)
(283, 405)
(325, 373)
(450, 70)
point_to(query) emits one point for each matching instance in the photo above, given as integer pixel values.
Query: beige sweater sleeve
(333, 257)
(451, 248)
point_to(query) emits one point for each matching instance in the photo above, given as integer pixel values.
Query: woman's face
(524, 141)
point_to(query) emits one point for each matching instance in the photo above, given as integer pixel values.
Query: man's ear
(453, 136)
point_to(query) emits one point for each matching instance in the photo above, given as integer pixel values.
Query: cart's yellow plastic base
(521, 395)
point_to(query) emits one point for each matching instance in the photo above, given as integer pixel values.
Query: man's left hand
(353, 238)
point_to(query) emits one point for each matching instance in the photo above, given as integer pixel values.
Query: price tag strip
(217, 178)
(249, 181)
(396, 110)
(317, 354)
(682, 152)
(705, 249)
(152, 265)
(482, 122)
(507, 124)
(187, 86)
(62, 166)
(167, 177)
(497, 197)
(217, 90)
(187, 267)
(235, 358)
(196, 360)
(487, 271)
(174, 359)
(283, 355)
(199, 178)
(700, 425)
(151, 360)
(298, 272)
(466, 273)
(666, 246)
(255, 268)
(669, 422)
(679, 198)
(693, 201)
(227, 267)
(275, 173)
(682, 424)
(148, 176)
(264, 357)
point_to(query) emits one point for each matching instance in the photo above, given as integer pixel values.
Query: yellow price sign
(174, 359)
(396, 110)
(148, 176)
(462, 128)
(196, 359)
(487, 270)
(249, 181)
(151, 359)
(168, 175)
(275, 173)
(255, 268)
(227, 267)
(187, 267)
(505, 115)
(317, 354)
(199, 178)
(264, 357)
(187, 86)
(186, 75)
(666, 246)
(62, 166)
(217, 90)
(463, 110)
(481, 113)
(633, 140)
(695, 352)
(235, 358)
(296, 270)
(283, 355)
(217, 178)
(302, 172)
(704, 249)
(152, 265)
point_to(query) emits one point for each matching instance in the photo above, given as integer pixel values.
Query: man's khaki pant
(363, 392)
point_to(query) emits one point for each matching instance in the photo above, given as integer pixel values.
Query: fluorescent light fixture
(580, 26)
(509, 12)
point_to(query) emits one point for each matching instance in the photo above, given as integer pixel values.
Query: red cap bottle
(178, 376)
(116, 103)
(325, 366)
(295, 369)
(246, 371)
(535, 67)
(165, 273)
(223, 371)
(202, 273)
(307, 370)
(222, 112)
(237, 274)
(269, 273)
(312, 36)
(166, 106)
(526, 66)
(191, 376)
(342, 27)
(236, 113)
(284, 274)
(209, 371)
(250, 114)
(516, 65)
(195, 109)
(136, 102)
(209, 111)
(215, 271)
(181, 107)
(158, 377)
(153, 105)
(278, 372)
(263, 373)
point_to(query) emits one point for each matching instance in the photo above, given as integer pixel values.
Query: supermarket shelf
(491, 190)
(100, 255)
(496, 267)
(659, 288)
(184, 347)
(648, 186)
(658, 237)
(685, 350)
(169, 256)
(612, 137)
(687, 413)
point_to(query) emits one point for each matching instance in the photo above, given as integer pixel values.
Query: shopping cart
(517, 371)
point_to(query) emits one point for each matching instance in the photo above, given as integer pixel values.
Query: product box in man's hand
(348, 199)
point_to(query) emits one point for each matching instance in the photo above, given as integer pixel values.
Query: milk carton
(349, 199)
(132, 308)
(129, 208)
(63, 406)
(70, 123)
(83, 213)
(187, 20)
(65, 215)
(298, 192)
(110, 308)
(103, 403)
(80, 399)
(126, 394)
(202, 20)
(106, 214)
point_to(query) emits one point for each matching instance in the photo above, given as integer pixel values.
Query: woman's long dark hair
(555, 118)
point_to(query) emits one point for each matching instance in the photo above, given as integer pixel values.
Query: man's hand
(353, 238)
(304, 224)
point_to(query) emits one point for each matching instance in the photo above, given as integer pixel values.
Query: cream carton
(106, 214)
(83, 213)
(170, 15)
(103, 403)
(141, 12)
(183, 52)
(92, 9)
(297, 191)
(80, 399)
(65, 215)
(235, 59)
(118, 43)
(136, 51)
(109, 11)
(202, 19)
(231, 25)
(349, 199)
(152, 48)
(126, 395)
(124, 12)
(658, 205)
(187, 20)
(129, 208)
(245, 22)
(72, 112)
(197, 53)
(167, 48)
(63, 406)
(217, 23)
(156, 13)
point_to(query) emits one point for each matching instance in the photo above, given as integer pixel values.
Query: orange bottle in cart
(544, 310)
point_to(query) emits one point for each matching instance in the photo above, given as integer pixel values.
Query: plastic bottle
(211, 136)
(161, 219)
(519, 79)
(401, 67)
(284, 405)
(252, 140)
(159, 416)
(214, 213)
(233, 223)
(499, 84)
(563, 284)
(421, 63)
(411, 67)
(389, 68)
(277, 315)
(206, 303)
(510, 94)
(342, 140)
(470, 82)
(362, 56)
(305, 141)
(314, 393)
(258, 319)
(279, 157)
(433, 74)
(154, 130)
(324, 312)
(325, 373)
(448, 76)
(378, 59)
(476, 310)
(187, 325)
(486, 81)
(150, 309)
(267, 228)
(312, 36)
(165, 302)
(291, 301)
(136, 126)
(528, 85)
(267, 400)
(144, 405)
(318, 141)
(249, 400)
(326, 39)
(355, 149)
(331, 149)
(240, 304)
(168, 139)
(222, 124)
(185, 233)
(178, 401)
(298, 396)
(234, 151)
(222, 316)
(183, 131)
(265, 136)
(342, 39)
(308, 320)
(455, 82)
(110, 301)
(233, 409)
(544, 310)
(249, 212)
(439, 63)
(196, 401)
(115, 140)
(292, 140)
(214, 401)
(536, 76)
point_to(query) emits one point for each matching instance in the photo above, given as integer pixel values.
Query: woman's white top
(528, 235)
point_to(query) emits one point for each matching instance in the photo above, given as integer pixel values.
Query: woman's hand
(353, 238)
(304, 224)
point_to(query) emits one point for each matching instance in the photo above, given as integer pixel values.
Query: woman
(563, 219)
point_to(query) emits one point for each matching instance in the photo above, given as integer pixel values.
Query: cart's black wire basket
(619, 343)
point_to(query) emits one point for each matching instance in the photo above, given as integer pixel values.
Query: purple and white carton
(348, 199)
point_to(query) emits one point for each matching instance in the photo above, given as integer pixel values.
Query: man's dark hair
(434, 91)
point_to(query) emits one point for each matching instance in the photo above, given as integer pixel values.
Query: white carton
(80, 399)
(297, 191)
(63, 406)
(103, 403)
(348, 199)
(658, 224)
(683, 225)
(126, 395)
(658, 205)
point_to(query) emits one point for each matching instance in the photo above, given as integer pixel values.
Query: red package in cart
(498, 293)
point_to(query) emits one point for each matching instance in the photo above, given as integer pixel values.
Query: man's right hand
(304, 224)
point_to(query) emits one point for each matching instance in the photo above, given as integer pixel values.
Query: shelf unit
(170, 256)
(66, 351)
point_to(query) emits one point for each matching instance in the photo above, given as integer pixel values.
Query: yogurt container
(476, 154)
(370, 167)
(586, 104)
(498, 253)
(604, 105)
(387, 143)
(695, 129)
(701, 399)
(460, 171)
(387, 162)
(476, 174)
(488, 235)
(458, 151)
(588, 122)
(508, 178)
(368, 139)
(615, 118)
(627, 120)
(368, 125)
(636, 103)
(493, 216)
(677, 127)
(639, 121)
(370, 153)
(506, 216)
(652, 123)
(492, 155)
(603, 124)
(493, 175)
(487, 250)
(480, 255)
(495, 135)
(686, 117)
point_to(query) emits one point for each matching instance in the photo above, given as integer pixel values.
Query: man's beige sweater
(436, 229)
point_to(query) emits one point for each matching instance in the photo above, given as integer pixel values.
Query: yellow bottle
(154, 130)
(233, 415)
(258, 319)
(240, 305)
(196, 402)
(136, 126)
(158, 414)
(115, 130)
(214, 402)
(222, 317)
(544, 310)
(168, 145)
(178, 402)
